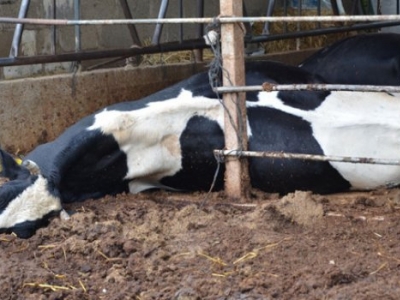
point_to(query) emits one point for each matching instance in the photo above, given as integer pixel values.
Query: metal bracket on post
(232, 45)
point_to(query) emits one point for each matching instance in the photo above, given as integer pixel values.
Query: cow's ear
(10, 169)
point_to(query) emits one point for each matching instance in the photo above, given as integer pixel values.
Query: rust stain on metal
(302, 156)
(268, 87)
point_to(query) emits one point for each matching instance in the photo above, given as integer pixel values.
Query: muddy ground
(164, 245)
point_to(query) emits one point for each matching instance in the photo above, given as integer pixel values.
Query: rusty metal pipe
(316, 157)
(308, 87)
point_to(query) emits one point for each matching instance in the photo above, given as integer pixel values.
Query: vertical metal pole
(299, 7)
(319, 4)
(270, 11)
(335, 7)
(232, 42)
(198, 53)
(161, 15)
(181, 25)
(247, 26)
(285, 13)
(53, 29)
(131, 27)
(18, 28)
(77, 16)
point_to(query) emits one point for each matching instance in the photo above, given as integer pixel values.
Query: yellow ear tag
(17, 160)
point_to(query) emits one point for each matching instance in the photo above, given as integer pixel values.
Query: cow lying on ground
(362, 59)
(167, 140)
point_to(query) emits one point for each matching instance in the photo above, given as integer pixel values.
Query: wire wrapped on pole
(316, 157)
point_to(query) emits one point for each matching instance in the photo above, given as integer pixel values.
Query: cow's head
(27, 199)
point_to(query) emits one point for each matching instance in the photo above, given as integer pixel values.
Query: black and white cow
(372, 59)
(167, 140)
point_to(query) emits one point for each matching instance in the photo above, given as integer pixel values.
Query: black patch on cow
(257, 73)
(46, 155)
(362, 59)
(10, 169)
(12, 189)
(273, 72)
(274, 130)
(91, 166)
(198, 140)
(28, 228)
(305, 100)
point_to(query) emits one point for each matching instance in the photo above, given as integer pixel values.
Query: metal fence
(362, 22)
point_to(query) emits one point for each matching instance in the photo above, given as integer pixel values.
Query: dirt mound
(178, 246)
(301, 207)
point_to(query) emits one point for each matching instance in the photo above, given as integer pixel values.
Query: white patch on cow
(171, 143)
(150, 136)
(32, 204)
(139, 185)
(32, 167)
(355, 124)
(64, 215)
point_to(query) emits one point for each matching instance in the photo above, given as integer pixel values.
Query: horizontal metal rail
(320, 31)
(307, 87)
(316, 157)
(202, 20)
(174, 46)
(87, 55)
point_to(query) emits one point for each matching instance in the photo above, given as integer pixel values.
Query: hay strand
(46, 286)
(380, 268)
(82, 285)
(108, 258)
(215, 260)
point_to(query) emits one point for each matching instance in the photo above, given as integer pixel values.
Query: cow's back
(363, 59)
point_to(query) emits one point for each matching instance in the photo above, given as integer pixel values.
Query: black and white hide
(166, 141)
